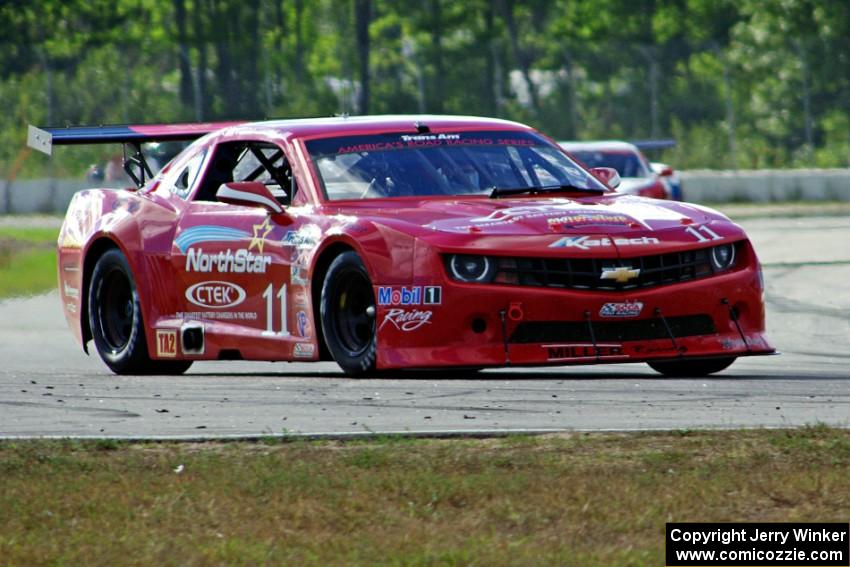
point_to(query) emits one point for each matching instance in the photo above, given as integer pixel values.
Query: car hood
(580, 224)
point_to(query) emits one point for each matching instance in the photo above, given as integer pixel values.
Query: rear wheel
(348, 315)
(116, 321)
(692, 368)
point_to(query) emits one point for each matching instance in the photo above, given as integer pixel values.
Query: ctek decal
(166, 343)
(588, 242)
(239, 262)
(303, 350)
(416, 295)
(208, 233)
(406, 319)
(218, 315)
(627, 309)
(567, 352)
(620, 274)
(215, 294)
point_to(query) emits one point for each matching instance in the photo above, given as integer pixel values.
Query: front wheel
(692, 368)
(348, 315)
(115, 319)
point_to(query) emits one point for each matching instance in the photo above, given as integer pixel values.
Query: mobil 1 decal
(410, 295)
(408, 308)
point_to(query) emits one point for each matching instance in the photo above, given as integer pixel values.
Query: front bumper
(500, 325)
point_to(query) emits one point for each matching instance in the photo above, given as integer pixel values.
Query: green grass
(585, 499)
(30, 235)
(27, 261)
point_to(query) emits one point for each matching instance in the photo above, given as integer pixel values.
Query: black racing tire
(691, 368)
(116, 323)
(347, 324)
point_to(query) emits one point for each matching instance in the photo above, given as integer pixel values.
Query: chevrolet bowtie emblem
(620, 274)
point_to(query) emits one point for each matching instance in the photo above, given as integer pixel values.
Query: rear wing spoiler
(644, 145)
(43, 139)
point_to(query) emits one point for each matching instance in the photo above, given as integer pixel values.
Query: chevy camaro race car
(395, 242)
(637, 176)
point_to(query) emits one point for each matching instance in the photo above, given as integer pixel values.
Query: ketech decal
(627, 309)
(416, 295)
(584, 351)
(407, 319)
(166, 343)
(215, 294)
(588, 242)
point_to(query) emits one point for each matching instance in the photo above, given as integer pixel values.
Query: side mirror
(662, 169)
(608, 175)
(248, 194)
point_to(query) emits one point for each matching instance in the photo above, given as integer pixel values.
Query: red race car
(395, 242)
(636, 173)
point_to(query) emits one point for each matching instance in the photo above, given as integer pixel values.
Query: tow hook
(515, 312)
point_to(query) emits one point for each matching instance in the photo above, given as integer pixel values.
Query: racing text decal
(406, 319)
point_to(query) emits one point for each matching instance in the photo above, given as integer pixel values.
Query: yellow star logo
(260, 232)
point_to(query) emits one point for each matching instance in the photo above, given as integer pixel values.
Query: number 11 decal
(703, 233)
(269, 297)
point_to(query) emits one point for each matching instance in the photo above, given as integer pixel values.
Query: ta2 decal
(166, 343)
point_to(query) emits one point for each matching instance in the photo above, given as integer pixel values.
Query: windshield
(464, 163)
(626, 164)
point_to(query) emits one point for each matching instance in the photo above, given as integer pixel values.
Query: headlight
(467, 268)
(722, 257)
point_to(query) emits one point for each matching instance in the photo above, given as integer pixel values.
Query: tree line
(738, 83)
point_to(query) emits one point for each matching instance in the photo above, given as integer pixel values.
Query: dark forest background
(738, 83)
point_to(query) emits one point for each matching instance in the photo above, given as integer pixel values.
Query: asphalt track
(49, 388)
